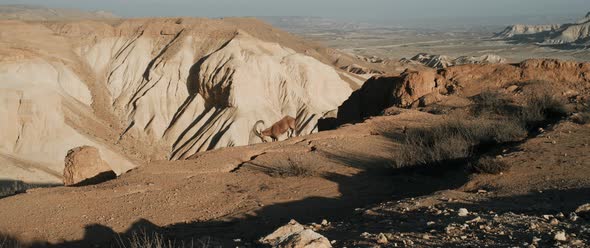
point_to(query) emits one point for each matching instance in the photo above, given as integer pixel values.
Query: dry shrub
(581, 118)
(437, 109)
(7, 241)
(454, 140)
(539, 108)
(499, 121)
(489, 165)
(143, 239)
(292, 169)
(535, 112)
(491, 102)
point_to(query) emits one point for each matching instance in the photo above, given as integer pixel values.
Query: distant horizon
(221, 9)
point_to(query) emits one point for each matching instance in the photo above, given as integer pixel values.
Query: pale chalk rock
(583, 211)
(560, 236)
(83, 165)
(295, 235)
(382, 239)
(463, 212)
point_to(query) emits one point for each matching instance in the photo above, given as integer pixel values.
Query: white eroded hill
(576, 33)
(153, 89)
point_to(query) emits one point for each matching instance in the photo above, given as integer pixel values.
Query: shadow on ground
(522, 209)
(377, 182)
(14, 187)
(248, 229)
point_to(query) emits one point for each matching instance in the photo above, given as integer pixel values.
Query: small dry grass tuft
(7, 241)
(581, 118)
(489, 165)
(437, 109)
(143, 239)
(292, 169)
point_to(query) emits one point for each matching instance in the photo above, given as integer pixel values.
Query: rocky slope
(577, 33)
(153, 89)
(419, 88)
(521, 29)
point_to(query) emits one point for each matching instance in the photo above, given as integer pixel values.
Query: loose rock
(560, 236)
(295, 235)
(83, 166)
(584, 211)
(382, 239)
(463, 212)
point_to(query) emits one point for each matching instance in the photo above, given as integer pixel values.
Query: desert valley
(290, 132)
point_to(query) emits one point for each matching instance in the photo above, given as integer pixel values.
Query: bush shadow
(14, 187)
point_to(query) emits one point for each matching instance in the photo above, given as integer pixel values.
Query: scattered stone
(83, 166)
(554, 222)
(512, 88)
(325, 222)
(426, 236)
(573, 216)
(533, 226)
(382, 239)
(577, 242)
(475, 220)
(463, 212)
(315, 226)
(547, 217)
(560, 236)
(430, 223)
(584, 210)
(449, 229)
(295, 235)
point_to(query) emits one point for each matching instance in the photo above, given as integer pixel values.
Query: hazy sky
(351, 9)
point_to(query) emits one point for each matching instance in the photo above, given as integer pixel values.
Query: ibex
(285, 125)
